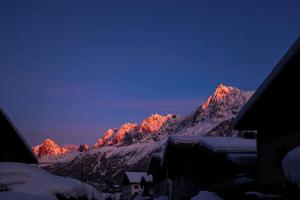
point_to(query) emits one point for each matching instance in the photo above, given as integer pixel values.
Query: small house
(194, 163)
(272, 112)
(131, 184)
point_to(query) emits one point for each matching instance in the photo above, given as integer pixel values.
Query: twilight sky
(69, 70)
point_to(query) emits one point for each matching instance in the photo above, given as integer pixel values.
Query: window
(136, 186)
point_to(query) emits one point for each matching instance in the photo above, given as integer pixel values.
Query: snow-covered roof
(135, 177)
(217, 144)
(31, 181)
(164, 197)
(148, 178)
(229, 144)
(259, 195)
(180, 139)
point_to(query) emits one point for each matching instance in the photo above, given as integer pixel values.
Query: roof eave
(240, 121)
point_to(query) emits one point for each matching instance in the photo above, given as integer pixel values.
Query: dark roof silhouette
(275, 106)
(13, 147)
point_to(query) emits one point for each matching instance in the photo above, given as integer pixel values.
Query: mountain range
(129, 147)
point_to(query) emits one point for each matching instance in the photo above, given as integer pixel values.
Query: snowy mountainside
(104, 167)
(223, 105)
(129, 147)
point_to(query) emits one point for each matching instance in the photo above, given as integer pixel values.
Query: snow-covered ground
(162, 198)
(206, 195)
(20, 195)
(259, 195)
(25, 181)
(291, 166)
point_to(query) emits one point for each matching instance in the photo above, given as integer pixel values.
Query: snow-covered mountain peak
(225, 99)
(123, 130)
(222, 105)
(49, 142)
(221, 91)
(154, 123)
(48, 148)
(149, 129)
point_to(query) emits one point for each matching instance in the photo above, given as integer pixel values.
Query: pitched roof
(180, 139)
(217, 144)
(135, 177)
(147, 178)
(278, 93)
(228, 144)
(13, 147)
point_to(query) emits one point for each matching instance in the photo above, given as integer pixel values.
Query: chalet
(13, 147)
(272, 112)
(159, 176)
(130, 184)
(195, 163)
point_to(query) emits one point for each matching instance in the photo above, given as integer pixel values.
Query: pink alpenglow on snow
(125, 128)
(105, 139)
(222, 92)
(223, 105)
(155, 124)
(49, 148)
(116, 136)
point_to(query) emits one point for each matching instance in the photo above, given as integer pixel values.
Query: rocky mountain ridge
(129, 147)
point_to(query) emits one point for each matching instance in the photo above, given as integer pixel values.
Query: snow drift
(291, 166)
(206, 195)
(29, 181)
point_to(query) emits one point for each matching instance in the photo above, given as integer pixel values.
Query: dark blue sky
(72, 69)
